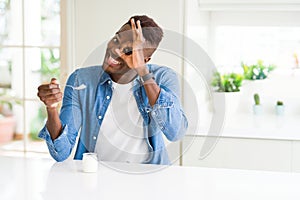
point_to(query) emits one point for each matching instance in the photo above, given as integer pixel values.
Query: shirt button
(109, 82)
(107, 97)
(99, 117)
(94, 137)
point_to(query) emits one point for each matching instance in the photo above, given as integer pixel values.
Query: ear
(147, 59)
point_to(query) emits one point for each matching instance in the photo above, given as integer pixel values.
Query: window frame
(64, 69)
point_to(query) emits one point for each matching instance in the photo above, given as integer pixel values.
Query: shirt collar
(104, 77)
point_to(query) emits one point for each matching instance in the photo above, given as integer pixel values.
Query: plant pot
(257, 109)
(232, 100)
(279, 110)
(7, 127)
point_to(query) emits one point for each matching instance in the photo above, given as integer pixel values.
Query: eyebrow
(117, 35)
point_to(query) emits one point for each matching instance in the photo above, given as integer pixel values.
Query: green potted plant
(7, 119)
(257, 107)
(231, 82)
(279, 108)
(227, 87)
(258, 71)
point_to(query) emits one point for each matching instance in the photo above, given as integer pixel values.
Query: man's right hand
(50, 94)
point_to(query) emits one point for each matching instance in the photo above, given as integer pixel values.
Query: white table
(33, 179)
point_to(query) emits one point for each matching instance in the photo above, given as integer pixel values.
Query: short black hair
(151, 31)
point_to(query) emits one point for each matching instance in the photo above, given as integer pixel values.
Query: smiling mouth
(112, 62)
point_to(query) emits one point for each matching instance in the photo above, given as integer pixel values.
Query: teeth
(113, 61)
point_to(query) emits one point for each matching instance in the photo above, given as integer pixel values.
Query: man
(124, 107)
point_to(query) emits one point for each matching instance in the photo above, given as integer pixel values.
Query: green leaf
(227, 82)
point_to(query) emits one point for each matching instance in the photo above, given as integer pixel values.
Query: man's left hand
(136, 60)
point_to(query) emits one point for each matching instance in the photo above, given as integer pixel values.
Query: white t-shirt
(121, 137)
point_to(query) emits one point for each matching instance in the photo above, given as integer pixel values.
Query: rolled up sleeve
(59, 148)
(167, 112)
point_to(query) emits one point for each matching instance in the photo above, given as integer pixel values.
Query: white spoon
(80, 87)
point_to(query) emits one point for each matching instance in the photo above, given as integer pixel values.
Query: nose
(113, 51)
(112, 48)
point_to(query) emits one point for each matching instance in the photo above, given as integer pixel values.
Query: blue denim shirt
(83, 111)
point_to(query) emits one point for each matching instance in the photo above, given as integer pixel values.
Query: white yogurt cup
(90, 162)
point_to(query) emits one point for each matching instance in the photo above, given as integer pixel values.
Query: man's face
(122, 40)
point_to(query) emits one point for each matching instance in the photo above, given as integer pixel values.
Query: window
(232, 34)
(240, 40)
(29, 55)
(232, 37)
